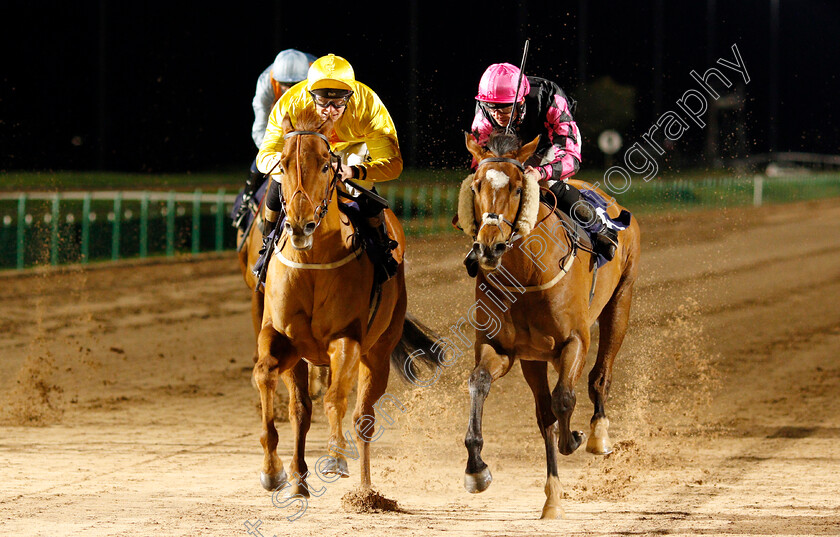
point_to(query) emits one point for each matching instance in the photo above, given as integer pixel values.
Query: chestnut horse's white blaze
(497, 179)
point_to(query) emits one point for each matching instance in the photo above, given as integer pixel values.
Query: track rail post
(21, 231)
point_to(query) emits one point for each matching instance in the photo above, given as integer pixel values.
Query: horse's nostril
(309, 228)
(477, 247)
(499, 248)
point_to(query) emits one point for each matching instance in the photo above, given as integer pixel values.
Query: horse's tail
(417, 344)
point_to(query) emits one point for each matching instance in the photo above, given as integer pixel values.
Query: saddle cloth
(584, 237)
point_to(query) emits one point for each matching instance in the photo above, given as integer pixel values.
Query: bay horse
(534, 286)
(318, 309)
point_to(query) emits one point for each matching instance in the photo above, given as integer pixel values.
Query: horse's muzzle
(489, 257)
(300, 235)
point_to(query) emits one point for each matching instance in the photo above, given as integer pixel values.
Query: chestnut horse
(250, 241)
(534, 286)
(318, 307)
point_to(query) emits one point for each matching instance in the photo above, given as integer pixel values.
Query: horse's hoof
(336, 466)
(574, 442)
(297, 489)
(273, 482)
(599, 440)
(550, 512)
(475, 483)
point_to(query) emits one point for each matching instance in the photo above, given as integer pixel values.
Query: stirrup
(246, 206)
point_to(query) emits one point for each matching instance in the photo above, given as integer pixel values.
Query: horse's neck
(526, 261)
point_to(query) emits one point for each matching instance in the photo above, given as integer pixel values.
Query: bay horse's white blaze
(497, 179)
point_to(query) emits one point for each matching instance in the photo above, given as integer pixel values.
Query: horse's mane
(500, 143)
(309, 120)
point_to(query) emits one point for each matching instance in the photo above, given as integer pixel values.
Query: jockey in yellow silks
(359, 116)
(361, 122)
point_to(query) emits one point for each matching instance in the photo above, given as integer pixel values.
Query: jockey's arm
(562, 159)
(262, 104)
(380, 135)
(272, 143)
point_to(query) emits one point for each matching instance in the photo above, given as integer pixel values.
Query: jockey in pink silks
(541, 109)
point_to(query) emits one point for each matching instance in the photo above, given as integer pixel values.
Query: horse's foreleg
(318, 380)
(612, 325)
(275, 358)
(563, 399)
(257, 305)
(373, 380)
(490, 366)
(300, 416)
(344, 364)
(536, 376)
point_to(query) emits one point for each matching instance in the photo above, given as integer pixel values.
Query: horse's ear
(287, 124)
(327, 126)
(476, 150)
(527, 150)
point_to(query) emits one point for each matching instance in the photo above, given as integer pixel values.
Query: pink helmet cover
(498, 84)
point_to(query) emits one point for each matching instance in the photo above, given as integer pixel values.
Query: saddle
(385, 253)
(585, 237)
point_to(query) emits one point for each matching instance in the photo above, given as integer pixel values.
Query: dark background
(167, 86)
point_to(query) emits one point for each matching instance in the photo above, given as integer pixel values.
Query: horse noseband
(514, 236)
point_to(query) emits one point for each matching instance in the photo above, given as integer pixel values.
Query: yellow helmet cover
(331, 72)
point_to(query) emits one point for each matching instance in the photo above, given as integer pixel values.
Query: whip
(518, 85)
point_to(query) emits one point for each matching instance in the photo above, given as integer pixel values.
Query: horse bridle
(321, 209)
(513, 237)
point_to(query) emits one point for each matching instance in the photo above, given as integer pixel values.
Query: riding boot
(471, 263)
(261, 266)
(383, 243)
(252, 184)
(268, 227)
(606, 242)
(273, 217)
(571, 202)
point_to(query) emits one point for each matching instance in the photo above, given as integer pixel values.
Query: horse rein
(319, 210)
(513, 237)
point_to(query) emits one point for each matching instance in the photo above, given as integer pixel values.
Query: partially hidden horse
(534, 287)
(318, 309)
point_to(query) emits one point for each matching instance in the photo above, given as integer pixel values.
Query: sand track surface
(127, 406)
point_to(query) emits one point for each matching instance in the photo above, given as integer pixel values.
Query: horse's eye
(519, 190)
(326, 167)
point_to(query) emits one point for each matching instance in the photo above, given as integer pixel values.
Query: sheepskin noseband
(527, 215)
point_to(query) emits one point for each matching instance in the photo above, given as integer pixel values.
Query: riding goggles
(323, 102)
(501, 107)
